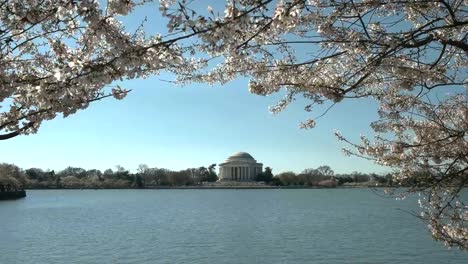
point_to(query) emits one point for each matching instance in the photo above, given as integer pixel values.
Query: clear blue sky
(168, 126)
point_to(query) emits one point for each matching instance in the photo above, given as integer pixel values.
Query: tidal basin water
(215, 226)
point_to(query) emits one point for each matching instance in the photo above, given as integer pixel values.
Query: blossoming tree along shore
(410, 56)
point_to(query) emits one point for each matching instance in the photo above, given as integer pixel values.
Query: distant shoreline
(216, 188)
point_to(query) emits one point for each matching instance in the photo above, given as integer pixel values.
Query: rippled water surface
(215, 226)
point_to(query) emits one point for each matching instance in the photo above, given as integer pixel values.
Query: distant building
(240, 166)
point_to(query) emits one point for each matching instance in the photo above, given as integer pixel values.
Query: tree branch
(16, 133)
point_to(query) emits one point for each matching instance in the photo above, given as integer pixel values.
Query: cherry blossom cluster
(57, 56)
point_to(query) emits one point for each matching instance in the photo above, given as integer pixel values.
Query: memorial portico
(240, 166)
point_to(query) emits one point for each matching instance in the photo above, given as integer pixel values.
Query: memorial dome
(240, 156)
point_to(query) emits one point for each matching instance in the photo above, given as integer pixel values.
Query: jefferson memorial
(239, 166)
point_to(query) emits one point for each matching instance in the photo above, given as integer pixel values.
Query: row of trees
(146, 177)
(73, 177)
(324, 176)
